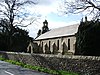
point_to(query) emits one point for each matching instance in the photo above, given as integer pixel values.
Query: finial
(82, 20)
(85, 18)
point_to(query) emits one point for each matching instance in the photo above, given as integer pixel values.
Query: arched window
(64, 47)
(68, 44)
(46, 49)
(30, 49)
(49, 45)
(45, 46)
(39, 49)
(54, 48)
(57, 44)
(42, 45)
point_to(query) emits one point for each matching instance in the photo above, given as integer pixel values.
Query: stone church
(55, 41)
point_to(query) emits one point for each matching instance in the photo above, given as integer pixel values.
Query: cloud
(45, 2)
(45, 7)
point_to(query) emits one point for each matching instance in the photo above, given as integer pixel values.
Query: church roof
(60, 32)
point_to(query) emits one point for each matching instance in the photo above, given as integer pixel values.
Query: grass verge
(40, 69)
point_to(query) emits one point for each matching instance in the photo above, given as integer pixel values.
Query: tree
(15, 10)
(13, 15)
(78, 6)
(20, 40)
(17, 42)
(88, 38)
(39, 33)
(4, 34)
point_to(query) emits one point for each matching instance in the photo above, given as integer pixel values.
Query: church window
(54, 47)
(29, 49)
(42, 45)
(46, 48)
(57, 44)
(49, 45)
(68, 44)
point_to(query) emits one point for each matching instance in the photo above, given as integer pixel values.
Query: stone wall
(84, 65)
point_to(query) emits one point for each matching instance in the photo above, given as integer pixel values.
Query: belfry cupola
(45, 27)
(45, 23)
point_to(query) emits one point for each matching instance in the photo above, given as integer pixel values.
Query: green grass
(37, 68)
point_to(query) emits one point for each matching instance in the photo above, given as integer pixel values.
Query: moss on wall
(89, 65)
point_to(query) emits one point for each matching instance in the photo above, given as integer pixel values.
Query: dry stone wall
(84, 65)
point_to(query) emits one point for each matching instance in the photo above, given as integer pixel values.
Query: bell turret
(45, 23)
(45, 27)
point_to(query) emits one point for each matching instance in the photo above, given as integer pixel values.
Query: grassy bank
(37, 68)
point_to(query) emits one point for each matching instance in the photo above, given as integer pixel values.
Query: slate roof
(60, 32)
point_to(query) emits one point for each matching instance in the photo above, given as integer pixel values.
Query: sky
(52, 12)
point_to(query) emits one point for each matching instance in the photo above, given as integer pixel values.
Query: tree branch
(93, 5)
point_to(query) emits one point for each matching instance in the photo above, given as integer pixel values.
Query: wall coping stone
(79, 57)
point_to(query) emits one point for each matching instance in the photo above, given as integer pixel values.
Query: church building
(55, 41)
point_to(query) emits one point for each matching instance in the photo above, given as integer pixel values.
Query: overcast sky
(50, 10)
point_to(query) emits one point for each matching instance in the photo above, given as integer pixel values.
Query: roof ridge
(66, 26)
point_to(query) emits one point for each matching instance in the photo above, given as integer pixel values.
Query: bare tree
(13, 13)
(79, 6)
